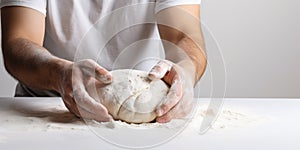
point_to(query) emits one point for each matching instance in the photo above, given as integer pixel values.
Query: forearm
(180, 29)
(189, 54)
(196, 54)
(32, 64)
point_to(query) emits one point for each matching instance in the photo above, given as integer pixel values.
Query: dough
(132, 97)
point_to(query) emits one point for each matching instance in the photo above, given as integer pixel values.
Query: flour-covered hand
(179, 100)
(73, 89)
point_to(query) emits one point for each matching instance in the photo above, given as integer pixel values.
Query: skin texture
(26, 59)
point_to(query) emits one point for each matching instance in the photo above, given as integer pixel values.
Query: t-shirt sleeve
(163, 4)
(39, 5)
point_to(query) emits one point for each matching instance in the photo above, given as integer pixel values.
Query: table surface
(280, 129)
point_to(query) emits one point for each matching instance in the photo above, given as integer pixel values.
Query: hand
(179, 100)
(73, 89)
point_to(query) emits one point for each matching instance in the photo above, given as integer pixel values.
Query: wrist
(58, 69)
(188, 70)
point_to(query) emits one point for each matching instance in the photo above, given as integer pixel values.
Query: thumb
(93, 69)
(160, 70)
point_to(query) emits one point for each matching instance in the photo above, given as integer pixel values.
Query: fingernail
(106, 78)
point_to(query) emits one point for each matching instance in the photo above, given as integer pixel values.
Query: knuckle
(99, 70)
(85, 63)
(165, 107)
(157, 68)
(79, 63)
(173, 95)
(89, 61)
(168, 62)
(176, 91)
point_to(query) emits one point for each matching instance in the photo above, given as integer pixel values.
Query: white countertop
(277, 128)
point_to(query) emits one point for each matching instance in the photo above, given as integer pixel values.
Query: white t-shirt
(115, 33)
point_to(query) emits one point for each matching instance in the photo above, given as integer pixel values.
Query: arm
(180, 25)
(29, 62)
(179, 28)
(24, 56)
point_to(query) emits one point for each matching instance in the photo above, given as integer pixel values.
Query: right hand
(73, 89)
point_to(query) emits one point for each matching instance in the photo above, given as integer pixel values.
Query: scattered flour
(53, 118)
(47, 118)
(227, 119)
(232, 119)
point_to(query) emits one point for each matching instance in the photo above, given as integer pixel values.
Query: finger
(100, 115)
(160, 70)
(85, 103)
(87, 115)
(91, 68)
(103, 75)
(71, 105)
(179, 111)
(80, 112)
(173, 97)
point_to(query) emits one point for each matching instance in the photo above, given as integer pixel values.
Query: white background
(259, 40)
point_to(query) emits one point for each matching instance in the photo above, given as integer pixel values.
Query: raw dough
(132, 97)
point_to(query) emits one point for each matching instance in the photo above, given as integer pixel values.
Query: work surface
(247, 124)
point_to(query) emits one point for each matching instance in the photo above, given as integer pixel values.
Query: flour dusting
(53, 118)
(46, 118)
(227, 119)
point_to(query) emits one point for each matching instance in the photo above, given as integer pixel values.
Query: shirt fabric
(118, 34)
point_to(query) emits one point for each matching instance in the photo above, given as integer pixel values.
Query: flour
(47, 118)
(57, 118)
(227, 119)
(232, 119)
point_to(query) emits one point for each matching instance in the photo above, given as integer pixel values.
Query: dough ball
(132, 97)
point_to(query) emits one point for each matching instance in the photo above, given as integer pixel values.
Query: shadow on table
(52, 112)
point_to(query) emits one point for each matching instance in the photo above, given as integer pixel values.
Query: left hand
(179, 100)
